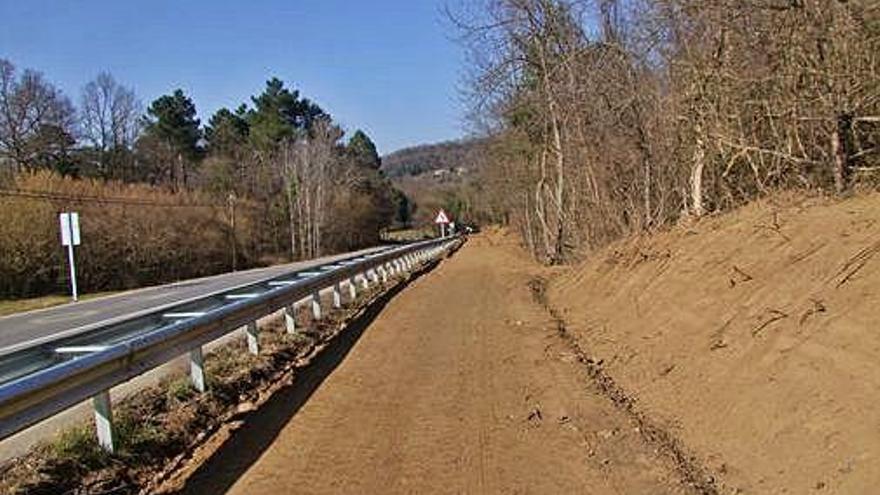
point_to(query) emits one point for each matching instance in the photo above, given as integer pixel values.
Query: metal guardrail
(50, 377)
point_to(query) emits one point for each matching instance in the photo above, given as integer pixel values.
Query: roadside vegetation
(13, 306)
(164, 196)
(434, 176)
(616, 117)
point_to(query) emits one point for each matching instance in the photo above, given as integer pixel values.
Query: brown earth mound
(751, 336)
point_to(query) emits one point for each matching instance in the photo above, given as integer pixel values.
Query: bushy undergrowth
(132, 235)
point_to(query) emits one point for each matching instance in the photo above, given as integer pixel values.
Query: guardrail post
(290, 318)
(384, 273)
(316, 304)
(253, 338)
(352, 289)
(197, 369)
(337, 295)
(104, 420)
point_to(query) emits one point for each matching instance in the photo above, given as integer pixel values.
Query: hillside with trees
(433, 176)
(165, 196)
(620, 116)
(453, 156)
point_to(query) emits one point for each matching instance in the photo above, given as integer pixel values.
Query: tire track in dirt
(691, 471)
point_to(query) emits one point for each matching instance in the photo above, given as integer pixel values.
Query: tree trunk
(697, 166)
(540, 208)
(559, 255)
(840, 152)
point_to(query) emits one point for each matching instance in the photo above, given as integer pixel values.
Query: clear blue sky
(387, 66)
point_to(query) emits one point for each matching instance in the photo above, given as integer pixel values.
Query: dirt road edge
(692, 472)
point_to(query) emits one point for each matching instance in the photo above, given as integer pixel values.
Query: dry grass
(410, 235)
(13, 306)
(133, 235)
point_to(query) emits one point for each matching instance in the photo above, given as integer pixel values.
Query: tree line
(282, 180)
(448, 155)
(615, 116)
(280, 149)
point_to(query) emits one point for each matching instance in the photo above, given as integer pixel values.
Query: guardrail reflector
(83, 349)
(183, 316)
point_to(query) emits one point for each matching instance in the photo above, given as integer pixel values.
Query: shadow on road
(263, 425)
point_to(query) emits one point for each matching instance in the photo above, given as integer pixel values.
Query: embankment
(753, 337)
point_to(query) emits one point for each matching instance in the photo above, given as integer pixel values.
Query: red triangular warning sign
(442, 217)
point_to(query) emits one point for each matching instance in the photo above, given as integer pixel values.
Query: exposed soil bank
(753, 337)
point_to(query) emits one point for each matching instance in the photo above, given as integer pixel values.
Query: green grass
(12, 306)
(77, 445)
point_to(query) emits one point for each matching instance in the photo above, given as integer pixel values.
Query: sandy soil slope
(462, 385)
(754, 336)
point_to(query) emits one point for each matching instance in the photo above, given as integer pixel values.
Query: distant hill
(435, 176)
(457, 157)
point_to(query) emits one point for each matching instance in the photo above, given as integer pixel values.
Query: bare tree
(309, 174)
(36, 120)
(524, 54)
(110, 119)
(666, 108)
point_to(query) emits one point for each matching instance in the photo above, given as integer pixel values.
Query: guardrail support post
(253, 338)
(384, 273)
(290, 318)
(104, 420)
(337, 295)
(197, 369)
(316, 305)
(352, 290)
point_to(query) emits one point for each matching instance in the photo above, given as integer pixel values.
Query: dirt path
(461, 385)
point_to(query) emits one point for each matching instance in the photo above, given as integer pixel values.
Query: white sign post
(442, 220)
(70, 238)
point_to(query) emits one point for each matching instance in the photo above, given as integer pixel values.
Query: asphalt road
(39, 325)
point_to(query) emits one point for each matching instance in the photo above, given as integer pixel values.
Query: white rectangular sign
(70, 229)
